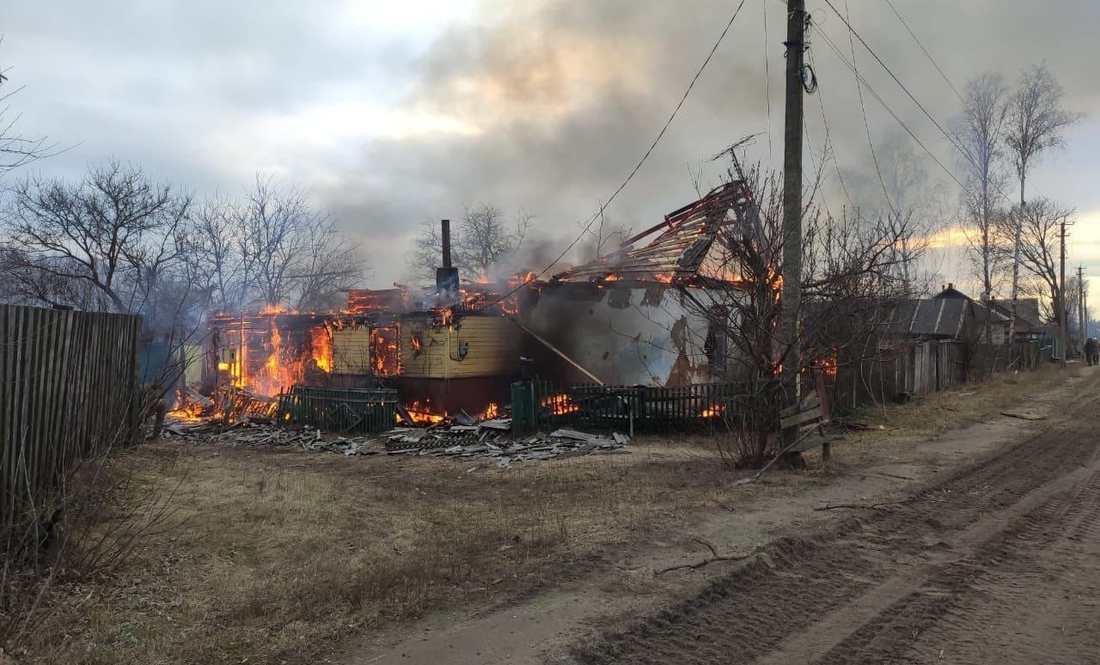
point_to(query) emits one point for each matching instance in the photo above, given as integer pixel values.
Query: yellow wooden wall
(351, 350)
(493, 348)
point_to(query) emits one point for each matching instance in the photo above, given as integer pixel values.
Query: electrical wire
(852, 32)
(867, 126)
(830, 143)
(638, 166)
(829, 42)
(767, 80)
(926, 53)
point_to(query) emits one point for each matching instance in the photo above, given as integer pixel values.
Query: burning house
(643, 315)
(651, 314)
(439, 354)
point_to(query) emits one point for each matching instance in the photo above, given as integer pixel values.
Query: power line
(852, 32)
(675, 112)
(866, 125)
(926, 53)
(887, 107)
(829, 140)
(767, 79)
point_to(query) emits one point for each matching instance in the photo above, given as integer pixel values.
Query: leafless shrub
(91, 526)
(853, 277)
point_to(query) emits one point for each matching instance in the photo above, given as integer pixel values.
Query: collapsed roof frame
(680, 253)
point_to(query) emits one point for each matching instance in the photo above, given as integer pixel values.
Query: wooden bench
(811, 416)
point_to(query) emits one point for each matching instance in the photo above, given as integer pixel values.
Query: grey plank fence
(68, 390)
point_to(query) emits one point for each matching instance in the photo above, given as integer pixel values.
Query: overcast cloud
(394, 113)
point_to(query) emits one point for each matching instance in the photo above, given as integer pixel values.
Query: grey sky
(393, 113)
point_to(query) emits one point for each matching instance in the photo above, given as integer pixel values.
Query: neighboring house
(998, 323)
(933, 319)
(1029, 322)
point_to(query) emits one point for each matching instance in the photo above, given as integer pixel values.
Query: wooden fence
(68, 389)
(539, 404)
(915, 369)
(909, 370)
(352, 410)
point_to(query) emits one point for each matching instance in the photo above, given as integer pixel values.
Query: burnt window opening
(716, 344)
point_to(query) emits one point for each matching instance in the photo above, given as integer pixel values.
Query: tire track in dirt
(912, 571)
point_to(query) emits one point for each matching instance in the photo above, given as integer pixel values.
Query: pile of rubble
(263, 433)
(492, 439)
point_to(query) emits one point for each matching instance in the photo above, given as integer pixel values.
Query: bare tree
(900, 195)
(329, 265)
(427, 252)
(1038, 225)
(290, 252)
(604, 238)
(978, 132)
(482, 244)
(1036, 121)
(115, 230)
(213, 259)
(16, 150)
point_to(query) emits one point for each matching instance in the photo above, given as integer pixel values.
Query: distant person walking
(1091, 351)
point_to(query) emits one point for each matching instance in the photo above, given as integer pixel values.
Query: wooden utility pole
(1062, 296)
(1081, 305)
(792, 206)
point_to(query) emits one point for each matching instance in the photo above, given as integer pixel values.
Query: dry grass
(281, 553)
(934, 414)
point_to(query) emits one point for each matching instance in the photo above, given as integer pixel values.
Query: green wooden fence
(541, 405)
(352, 410)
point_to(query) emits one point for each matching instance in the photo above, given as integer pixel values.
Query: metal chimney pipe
(446, 235)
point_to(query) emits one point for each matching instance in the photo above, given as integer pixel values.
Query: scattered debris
(262, 432)
(705, 562)
(488, 439)
(492, 439)
(863, 427)
(1023, 416)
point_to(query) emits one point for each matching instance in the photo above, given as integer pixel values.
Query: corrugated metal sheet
(942, 318)
(682, 249)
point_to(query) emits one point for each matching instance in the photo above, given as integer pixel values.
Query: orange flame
(422, 415)
(491, 411)
(663, 277)
(385, 351)
(714, 411)
(186, 409)
(827, 364)
(560, 404)
(321, 342)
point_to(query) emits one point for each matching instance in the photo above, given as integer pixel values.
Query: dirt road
(998, 562)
